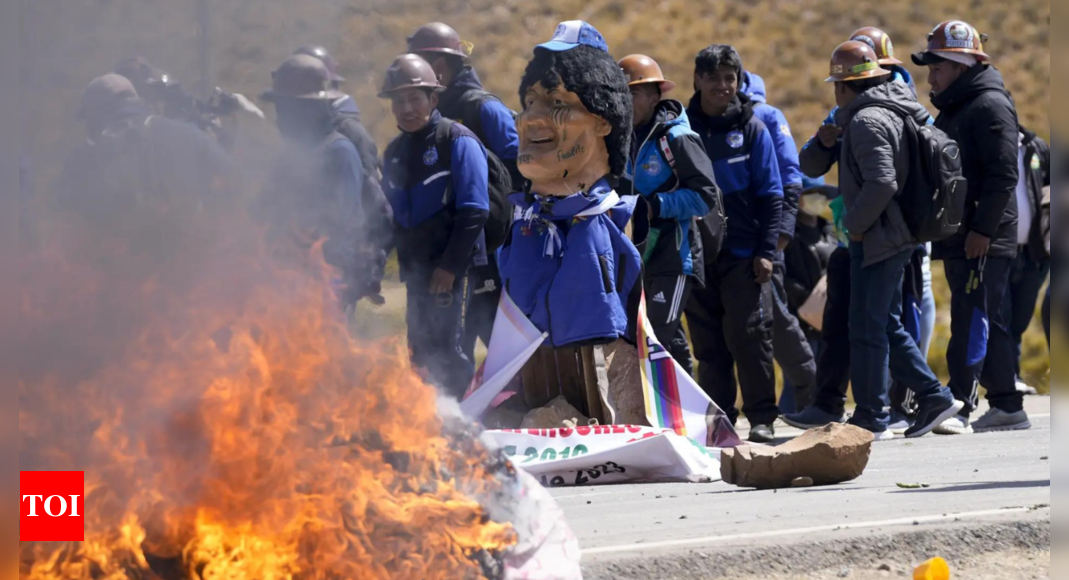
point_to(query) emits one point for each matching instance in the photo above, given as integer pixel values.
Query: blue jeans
(879, 343)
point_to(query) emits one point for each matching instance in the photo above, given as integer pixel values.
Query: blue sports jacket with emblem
(786, 149)
(744, 161)
(669, 168)
(569, 266)
(439, 211)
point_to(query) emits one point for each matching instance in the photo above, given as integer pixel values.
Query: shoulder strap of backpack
(331, 139)
(666, 149)
(443, 141)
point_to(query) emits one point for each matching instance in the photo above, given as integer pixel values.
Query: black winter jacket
(978, 112)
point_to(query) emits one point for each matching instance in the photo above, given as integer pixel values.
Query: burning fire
(229, 426)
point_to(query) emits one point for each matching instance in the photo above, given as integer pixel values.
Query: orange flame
(230, 428)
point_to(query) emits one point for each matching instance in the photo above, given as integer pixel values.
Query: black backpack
(379, 213)
(933, 200)
(500, 187)
(713, 226)
(471, 104)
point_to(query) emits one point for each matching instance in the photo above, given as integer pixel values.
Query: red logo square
(53, 506)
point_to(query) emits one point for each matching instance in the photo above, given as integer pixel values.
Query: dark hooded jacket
(979, 114)
(875, 167)
(669, 168)
(747, 172)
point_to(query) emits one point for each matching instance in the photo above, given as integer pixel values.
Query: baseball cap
(572, 34)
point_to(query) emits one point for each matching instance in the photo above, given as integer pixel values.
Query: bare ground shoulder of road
(1012, 550)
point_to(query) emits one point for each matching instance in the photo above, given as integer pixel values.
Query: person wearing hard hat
(874, 170)
(976, 110)
(318, 180)
(466, 101)
(668, 167)
(440, 205)
(730, 319)
(138, 168)
(817, 158)
(347, 121)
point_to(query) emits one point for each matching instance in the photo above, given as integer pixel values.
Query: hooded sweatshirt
(875, 167)
(744, 161)
(786, 149)
(669, 168)
(569, 266)
(979, 114)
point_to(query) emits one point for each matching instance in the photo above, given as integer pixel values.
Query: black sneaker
(762, 434)
(931, 414)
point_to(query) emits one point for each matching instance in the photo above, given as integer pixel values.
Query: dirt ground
(1014, 565)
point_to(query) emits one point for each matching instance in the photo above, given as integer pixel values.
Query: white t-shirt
(1025, 211)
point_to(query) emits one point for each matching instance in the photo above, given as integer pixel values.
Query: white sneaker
(1026, 390)
(954, 426)
(887, 435)
(999, 420)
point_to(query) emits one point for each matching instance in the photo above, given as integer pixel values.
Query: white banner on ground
(513, 342)
(607, 454)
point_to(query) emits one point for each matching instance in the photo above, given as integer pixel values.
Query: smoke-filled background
(236, 43)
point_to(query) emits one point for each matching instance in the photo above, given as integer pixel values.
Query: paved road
(975, 480)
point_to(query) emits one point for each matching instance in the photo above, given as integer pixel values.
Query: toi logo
(53, 506)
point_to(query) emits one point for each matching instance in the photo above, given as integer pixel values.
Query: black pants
(434, 333)
(789, 342)
(833, 365)
(981, 349)
(666, 297)
(1019, 305)
(485, 296)
(730, 324)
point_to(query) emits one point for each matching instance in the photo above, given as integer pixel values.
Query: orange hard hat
(641, 70)
(409, 71)
(854, 61)
(952, 36)
(880, 42)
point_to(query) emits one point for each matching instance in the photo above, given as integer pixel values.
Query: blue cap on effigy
(572, 34)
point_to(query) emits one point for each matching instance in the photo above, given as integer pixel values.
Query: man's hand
(442, 281)
(857, 238)
(829, 135)
(977, 245)
(762, 270)
(784, 241)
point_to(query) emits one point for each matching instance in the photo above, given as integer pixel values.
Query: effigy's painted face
(562, 144)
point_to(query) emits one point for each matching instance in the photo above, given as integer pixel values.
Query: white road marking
(802, 531)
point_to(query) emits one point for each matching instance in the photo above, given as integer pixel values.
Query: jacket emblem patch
(430, 157)
(736, 139)
(653, 167)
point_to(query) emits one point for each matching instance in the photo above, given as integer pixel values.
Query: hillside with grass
(65, 44)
